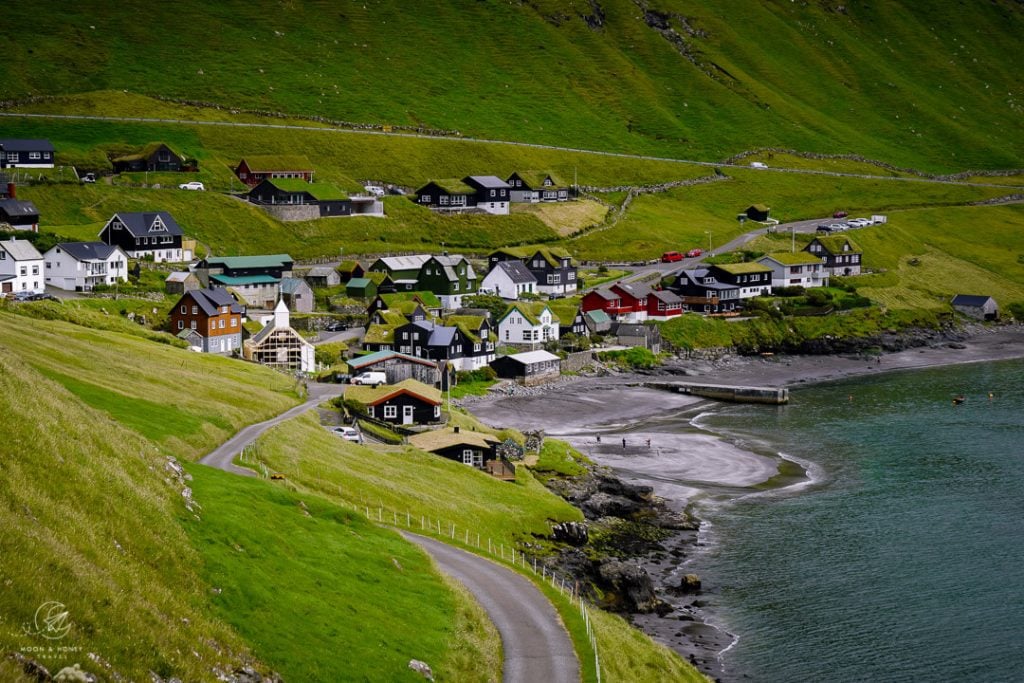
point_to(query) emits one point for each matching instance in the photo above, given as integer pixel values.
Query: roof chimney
(456, 429)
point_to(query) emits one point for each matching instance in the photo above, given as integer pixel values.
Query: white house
(279, 346)
(80, 266)
(21, 267)
(799, 269)
(509, 280)
(527, 324)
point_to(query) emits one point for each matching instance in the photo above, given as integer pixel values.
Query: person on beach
(623, 443)
(599, 438)
(648, 443)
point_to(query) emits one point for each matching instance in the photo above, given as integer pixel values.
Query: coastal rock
(74, 674)
(606, 505)
(616, 487)
(573, 533)
(631, 587)
(690, 583)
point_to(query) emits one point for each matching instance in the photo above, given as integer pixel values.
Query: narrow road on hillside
(536, 645)
(556, 148)
(222, 456)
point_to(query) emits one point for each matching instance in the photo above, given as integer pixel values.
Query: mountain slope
(921, 83)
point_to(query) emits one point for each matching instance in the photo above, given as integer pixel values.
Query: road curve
(222, 456)
(536, 645)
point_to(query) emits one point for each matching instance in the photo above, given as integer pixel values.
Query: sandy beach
(611, 420)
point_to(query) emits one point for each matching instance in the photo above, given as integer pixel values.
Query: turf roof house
(406, 403)
(552, 267)
(839, 255)
(21, 267)
(527, 325)
(466, 342)
(701, 292)
(408, 303)
(536, 186)
(210, 320)
(475, 449)
(509, 280)
(329, 200)
(80, 266)
(752, 279)
(146, 234)
(795, 269)
(156, 156)
(257, 279)
(22, 153)
(483, 193)
(448, 277)
(253, 170)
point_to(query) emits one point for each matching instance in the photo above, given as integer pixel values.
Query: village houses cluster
(420, 330)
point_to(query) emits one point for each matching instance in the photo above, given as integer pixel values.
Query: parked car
(335, 326)
(375, 190)
(22, 296)
(694, 253)
(671, 257)
(840, 214)
(860, 222)
(192, 185)
(370, 378)
(758, 164)
(88, 178)
(825, 229)
(349, 434)
(839, 227)
(41, 296)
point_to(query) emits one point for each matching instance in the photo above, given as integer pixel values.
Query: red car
(840, 214)
(671, 257)
(693, 252)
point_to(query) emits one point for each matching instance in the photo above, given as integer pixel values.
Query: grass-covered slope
(925, 83)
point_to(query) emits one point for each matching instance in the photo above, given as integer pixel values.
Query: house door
(407, 415)
(7, 288)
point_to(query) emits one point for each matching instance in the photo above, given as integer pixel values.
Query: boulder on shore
(632, 586)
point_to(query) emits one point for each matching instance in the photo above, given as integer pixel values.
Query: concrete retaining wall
(723, 392)
(292, 212)
(575, 362)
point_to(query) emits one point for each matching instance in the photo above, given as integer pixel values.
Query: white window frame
(390, 412)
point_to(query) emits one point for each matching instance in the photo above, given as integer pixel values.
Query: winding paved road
(222, 456)
(536, 646)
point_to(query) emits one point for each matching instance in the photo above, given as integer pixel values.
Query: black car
(335, 326)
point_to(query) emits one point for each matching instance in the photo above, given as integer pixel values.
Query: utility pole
(792, 233)
(708, 233)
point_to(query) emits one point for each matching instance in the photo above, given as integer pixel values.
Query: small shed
(181, 282)
(475, 449)
(323, 276)
(976, 306)
(646, 336)
(530, 367)
(350, 269)
(397, 366)
(757, 212)
(297, 295)
(361, 287)
(597, 321)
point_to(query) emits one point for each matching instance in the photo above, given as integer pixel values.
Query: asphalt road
(222, 456)
(536, 646)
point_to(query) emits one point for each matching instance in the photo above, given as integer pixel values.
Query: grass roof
(428, 299)
(380, 334)
(348, 266)
(454, 186)
(535, 179)
(553, 255)
(444, 438)
(468, 324)
(319, 191)
(564, 309)
(531, 310)
(373, 395)
(146, 152)
(834, 244)
(790, 258)
(265, 163)
(743, 268)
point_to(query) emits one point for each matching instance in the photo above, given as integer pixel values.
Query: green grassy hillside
(924, 83)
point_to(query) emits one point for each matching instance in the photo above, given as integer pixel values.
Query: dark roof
(18, 207)
(25, 145)
(606, 294)
(697, 276)
(666, 296)
(213, 298)
(970, 300)
(635, 290)
(488, 182)
(139, 222)
(87, 251)
(516, 271)
(148, 151)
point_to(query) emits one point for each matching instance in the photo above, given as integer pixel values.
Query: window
(234, 322)
(492, 193)
(220, 324)
(181, 324)
(213, 324)
(47, 263)
(444, 200)
(35, 270)
(24, 270)
(195, 310)
(193, 324)
(390, 411)
(12, 156)
(467, 456)
(572, 276)
(34, 155)
(455, 286)
(424, 199)
(437, 411)
(476, 347)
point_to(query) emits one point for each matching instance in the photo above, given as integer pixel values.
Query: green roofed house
(256, 279)
(361, 288)
(297, 199)
(536, 186)
(551, 266)
(253, 170)
(752, 279)
(475, 449)
(156, 156)
(795, 269)
(839, 255)
(350, 269)
(527, 325)
(408, 402)
(486, 193)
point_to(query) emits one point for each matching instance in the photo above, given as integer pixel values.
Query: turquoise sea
(904, 559)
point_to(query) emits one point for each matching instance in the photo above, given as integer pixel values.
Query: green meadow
(921, 84)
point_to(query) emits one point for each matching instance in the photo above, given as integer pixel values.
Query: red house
(254, 170)
(663, 304)
(622, 301)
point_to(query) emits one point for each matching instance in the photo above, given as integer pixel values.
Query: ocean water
(904, 559)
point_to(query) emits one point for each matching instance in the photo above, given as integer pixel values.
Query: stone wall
(292, 212)
(575, 362)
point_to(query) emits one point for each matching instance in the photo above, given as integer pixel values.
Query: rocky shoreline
(634, 544)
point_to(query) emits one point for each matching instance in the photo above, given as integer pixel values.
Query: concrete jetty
(725, 392)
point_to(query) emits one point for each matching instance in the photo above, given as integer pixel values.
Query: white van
(758, 164)
(371, 378)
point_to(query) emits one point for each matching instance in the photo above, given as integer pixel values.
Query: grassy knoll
(90, 521)
(356, 602)
(187, 403)
(679, 218)
(565, 218)
(917, 83)
(413, 481)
